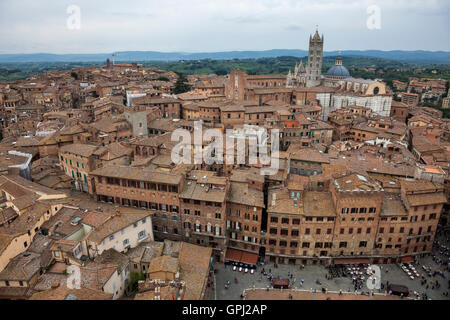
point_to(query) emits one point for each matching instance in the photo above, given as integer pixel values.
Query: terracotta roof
(266, 76)
(146, 251)
(264, 109)
(13, 189)
(7, 215)
(163, 264)
(115, 224)
(426, 199)
(112, 151)
(297, 182)
(357, 182)
(67, 246)
(154, 100)
(71, 130)
(95, 275)
(392, 206)
(139, 174)
(96, 218)
(28, 141)
(49, 139)
(281, 202)
(21, 186)
(240, 193)
(25, 201)
(5, 240)
(22, 268)
(244, 175)
(307, 108)
(61, 223)
(192, 96)
(232, 108)
(172, 248)
(112, 257)
(410, 185)
(194, 264)
(154, 141)
(310, 155)
(64, 293)
(41, 245)
(49, 279)
(191, 106)
(84, 150)
(27, 220)
(318, 204)
(195, 191)
(108, 124)
(378, 165)
(398, 104)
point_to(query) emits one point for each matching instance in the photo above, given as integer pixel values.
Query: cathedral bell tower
(314, 66)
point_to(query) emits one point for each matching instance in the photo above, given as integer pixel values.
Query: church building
(337, 88)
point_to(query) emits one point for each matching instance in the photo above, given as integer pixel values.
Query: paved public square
(392, 273)
(262, 294)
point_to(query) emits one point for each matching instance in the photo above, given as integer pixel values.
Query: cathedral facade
(298, 78)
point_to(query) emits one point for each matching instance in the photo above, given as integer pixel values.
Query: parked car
(234, 268)
(240, 269)
(246, 270)
(252, 271)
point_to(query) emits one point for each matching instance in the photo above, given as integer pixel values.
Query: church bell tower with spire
(314, 66)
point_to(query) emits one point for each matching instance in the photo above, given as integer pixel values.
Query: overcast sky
(31, 26)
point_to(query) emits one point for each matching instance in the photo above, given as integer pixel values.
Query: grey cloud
(294, 27)
(245, 19)
(217, 25)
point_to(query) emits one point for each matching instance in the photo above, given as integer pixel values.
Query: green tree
(389, 83)
(135, 278)
(221, 72)
(181, 85)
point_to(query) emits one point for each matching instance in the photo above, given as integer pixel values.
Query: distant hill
(419, 57)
